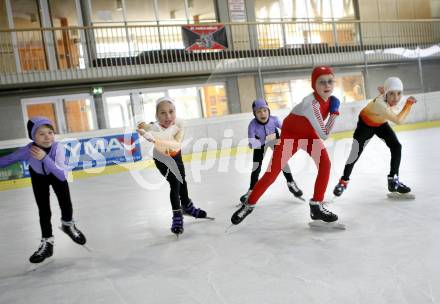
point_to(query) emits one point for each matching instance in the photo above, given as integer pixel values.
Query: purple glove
(334, 105)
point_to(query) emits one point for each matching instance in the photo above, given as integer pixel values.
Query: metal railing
(61, 54)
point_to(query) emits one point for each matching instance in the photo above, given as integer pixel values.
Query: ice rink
(388, 254)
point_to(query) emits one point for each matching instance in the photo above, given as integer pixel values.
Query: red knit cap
(319, 71)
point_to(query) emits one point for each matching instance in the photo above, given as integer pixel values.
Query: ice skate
(241, 213)
(74, 233)
(398, 190)
(340, 187)
(319, 212)
(177, 225)
(322, 217)
(45, 250)
(198, 213)
(293, 187)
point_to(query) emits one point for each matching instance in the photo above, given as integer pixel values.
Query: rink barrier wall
(196, 156)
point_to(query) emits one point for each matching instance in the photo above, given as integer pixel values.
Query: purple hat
(258, 104)
(35, 122)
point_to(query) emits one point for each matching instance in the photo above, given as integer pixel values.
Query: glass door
(148, 101)
(119, 110)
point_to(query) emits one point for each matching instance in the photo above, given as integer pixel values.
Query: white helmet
(393, 84)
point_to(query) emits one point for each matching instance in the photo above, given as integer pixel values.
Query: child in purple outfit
(263, 133)
(46, 159)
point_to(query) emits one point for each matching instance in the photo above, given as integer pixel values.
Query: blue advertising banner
(102, 151)
(89, 153)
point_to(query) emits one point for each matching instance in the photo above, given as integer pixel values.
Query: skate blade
(324, 225)
(228, 229)
(178, 235)
(200, 218)
(300, 198)
(35, 266)
(86, 247)
(401, 196)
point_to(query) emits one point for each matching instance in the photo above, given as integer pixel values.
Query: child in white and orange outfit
(167, 134)
(373, 120)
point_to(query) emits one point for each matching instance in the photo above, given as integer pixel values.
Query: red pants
(296, 133)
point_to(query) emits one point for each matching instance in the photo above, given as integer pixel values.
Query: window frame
(58, 101)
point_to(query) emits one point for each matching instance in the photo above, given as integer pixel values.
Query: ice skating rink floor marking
(26, 182)
(388, 254)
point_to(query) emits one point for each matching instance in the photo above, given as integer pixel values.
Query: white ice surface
(388, 254)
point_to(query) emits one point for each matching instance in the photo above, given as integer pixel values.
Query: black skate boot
(44, 251)
(193, 211)
(340, 187)
(75, 234)
(394, 185)
(177, 225)
(241, 213)
(293, 187)
(319, 212)
(245, 196)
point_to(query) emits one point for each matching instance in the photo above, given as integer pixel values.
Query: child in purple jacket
(263, 133)
(46, 159)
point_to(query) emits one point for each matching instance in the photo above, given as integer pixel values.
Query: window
(78, 114)
(348, 88)
(343, 9)
(71, 113)
(201, 11)
(269, 35)
(277, 95)
(142, 38)
(46, 109)
(266, 10)
(214, 101)
(313, 9)
(3, 16)
(119, 111)
(191, 102)
(7, 63)
(107, 11)
(30, 45)
(110, 41)
(172, 12)
(276, 35)
(132, 41)
(187, 102)
(7, 60)
(300, 89)
(63, 14)
(140, 12)
(148, 103)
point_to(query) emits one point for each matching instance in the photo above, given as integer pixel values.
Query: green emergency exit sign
(97, 90)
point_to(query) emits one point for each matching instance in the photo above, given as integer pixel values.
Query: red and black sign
(204, 37)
